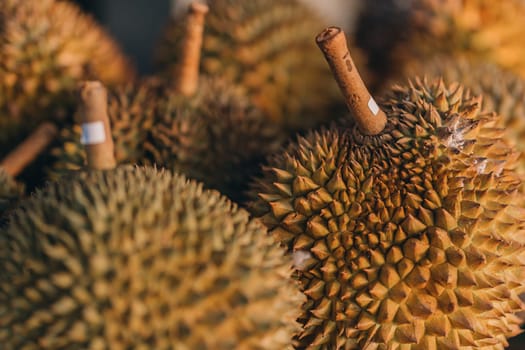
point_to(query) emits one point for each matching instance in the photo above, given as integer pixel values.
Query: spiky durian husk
(503, 92)
(132, 111)
(268, 47)
(10, 192)
(398, 34)
(216, 136)
(46, 47)
(413, 237)
(141, 259)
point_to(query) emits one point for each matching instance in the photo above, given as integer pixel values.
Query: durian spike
(188, 69)
(370, 119)
(96, 131)
(29, 149)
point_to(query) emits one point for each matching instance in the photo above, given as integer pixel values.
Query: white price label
(93, 133)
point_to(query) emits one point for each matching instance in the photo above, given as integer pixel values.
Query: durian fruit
(216, 136)
(409, 237)
(264, 46)
(132, 111)
(485, 30)
(503, 92)
(46, 46)
(10, 192)
(208, 128)
(135, 258)
(405, 32)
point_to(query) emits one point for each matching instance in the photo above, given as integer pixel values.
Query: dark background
(137, 26)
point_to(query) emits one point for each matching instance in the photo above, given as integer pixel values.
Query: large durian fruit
(216, 136)
(479, 30)
(266, 47)
(502, 91)
(11, 192)
(46, 46)
(132, 111)
(137, 258)
(409, 239)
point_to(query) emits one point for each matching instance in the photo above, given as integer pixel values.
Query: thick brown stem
(370, 119)
(188, 69)
(27, 151)
(96, 131)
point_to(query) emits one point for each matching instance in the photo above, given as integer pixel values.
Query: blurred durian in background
(46, 47)
(400, 33)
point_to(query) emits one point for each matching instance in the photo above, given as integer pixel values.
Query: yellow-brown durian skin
(397, 35)
(410, 239)
(267, 47)
(46, 47)
(10, 192)
(141, 259)
(132, 112)
(502, 91)
(484, 30)
(216, 136)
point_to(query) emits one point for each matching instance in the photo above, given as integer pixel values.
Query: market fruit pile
(230, 201)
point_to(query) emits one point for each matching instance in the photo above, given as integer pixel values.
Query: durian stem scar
(370, 119)
(187, 79)
(29, 149)
(96, 130)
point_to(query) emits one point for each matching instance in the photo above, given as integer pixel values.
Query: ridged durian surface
(10, 192)
(46, 47)
(502, 91)
(141, 259)
(132, 110)
(217, 136)
(268, 47)
(411, 239)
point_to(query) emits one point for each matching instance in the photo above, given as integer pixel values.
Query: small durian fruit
(209, 130)
(503, 92)
(46, 46)
(406, 32)
(407, 236)
(265, 46)
(131, 110)
(11, 190)
(135, 258)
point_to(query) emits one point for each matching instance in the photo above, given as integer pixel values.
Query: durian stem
(187, 80)
(370, 119)
(18, 159)
(96, 131)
